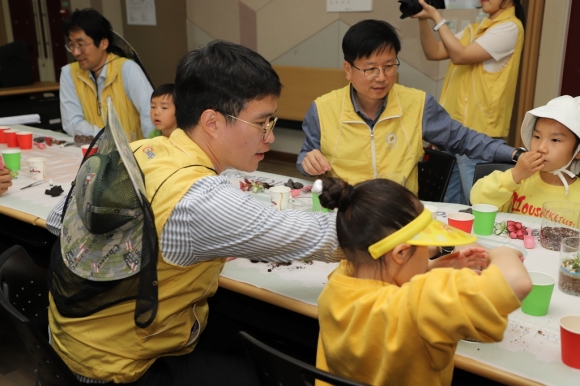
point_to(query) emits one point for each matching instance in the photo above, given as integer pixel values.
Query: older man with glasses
(97, 73)
(374, 127)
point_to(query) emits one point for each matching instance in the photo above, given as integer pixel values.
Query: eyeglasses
(266, 130)
(373, 73)
(81, 47)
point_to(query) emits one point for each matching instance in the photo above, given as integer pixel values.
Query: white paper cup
(37, 168)
(280, 197)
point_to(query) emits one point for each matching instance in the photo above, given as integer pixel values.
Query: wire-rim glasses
(266, 130)
(80, 46)
(373, 73)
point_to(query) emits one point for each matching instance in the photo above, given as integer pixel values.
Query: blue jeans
(461, 181)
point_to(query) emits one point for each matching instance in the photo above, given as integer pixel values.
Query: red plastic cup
(24, 139)
(570, 340)
(460, 220)
(2, 135)
(84, 149)
(11, 139)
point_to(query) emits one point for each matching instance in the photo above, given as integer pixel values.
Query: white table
(529, 352)
(32, 205)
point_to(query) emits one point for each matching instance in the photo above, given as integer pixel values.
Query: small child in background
(388, 314)
(163, 111)
(545, 173)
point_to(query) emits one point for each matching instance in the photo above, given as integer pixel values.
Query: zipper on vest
(373, 153)
(97, 88)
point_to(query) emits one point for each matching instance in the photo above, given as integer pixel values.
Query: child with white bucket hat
(547, 171)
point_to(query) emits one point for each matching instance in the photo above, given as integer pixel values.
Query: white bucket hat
(566, 110)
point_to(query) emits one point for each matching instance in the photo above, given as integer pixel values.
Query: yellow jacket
(382, 334)
(527, 197)
(481, 100)
(107, 345)
(95, 112)
(392, 149)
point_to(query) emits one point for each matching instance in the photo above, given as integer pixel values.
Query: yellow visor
(422, 231)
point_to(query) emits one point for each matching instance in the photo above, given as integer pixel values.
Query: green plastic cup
(538, 300)
(12, 159)
(316, 207)
(484, 219)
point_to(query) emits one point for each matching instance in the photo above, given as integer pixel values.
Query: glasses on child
(266, 129)
(373, 73)
(80, 47)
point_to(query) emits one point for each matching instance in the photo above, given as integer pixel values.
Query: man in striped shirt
(225, 99)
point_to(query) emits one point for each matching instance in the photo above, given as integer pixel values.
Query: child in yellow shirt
(390, 316)
(163, 111)
(545, 173)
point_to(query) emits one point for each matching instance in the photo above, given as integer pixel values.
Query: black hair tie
(344, 205)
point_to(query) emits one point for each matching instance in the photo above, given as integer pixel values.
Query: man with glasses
(98, 73)
(225, 98)
(374, 127)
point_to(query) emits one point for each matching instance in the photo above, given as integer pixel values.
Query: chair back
(483, 169)
(434, 173)
(24, 295)
(278, 369)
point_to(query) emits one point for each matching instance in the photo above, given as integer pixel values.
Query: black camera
(412, 7)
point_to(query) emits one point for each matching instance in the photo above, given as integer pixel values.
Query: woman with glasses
(480, 84)
(374, 127)
(96, 74)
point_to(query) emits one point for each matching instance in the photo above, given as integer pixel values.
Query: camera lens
(412, 7)
(409, 7)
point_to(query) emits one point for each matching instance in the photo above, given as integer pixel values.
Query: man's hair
(368, 37)
(94, 25)
(222, 76)
(164, 89)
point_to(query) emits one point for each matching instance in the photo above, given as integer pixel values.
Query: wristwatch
(446, 250)
(518, 153)
(443, 251)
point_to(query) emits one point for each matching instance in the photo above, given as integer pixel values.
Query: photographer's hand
(428, 12)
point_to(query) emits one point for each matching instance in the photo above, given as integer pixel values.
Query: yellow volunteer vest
(481, 100)
(87, 93)
(392, 149)
(107, 345)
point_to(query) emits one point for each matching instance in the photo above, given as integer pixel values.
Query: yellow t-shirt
(382, 334)
(527, 197)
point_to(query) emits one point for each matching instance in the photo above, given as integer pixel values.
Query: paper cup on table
(2, 135)
(84, 149)
(570, 340)
(280, 197)
(11, 139)
(37, 167)
(12, 159)
(433, 209)
(484, 219)
(24, 139)
(460, 220)
(538, 300)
